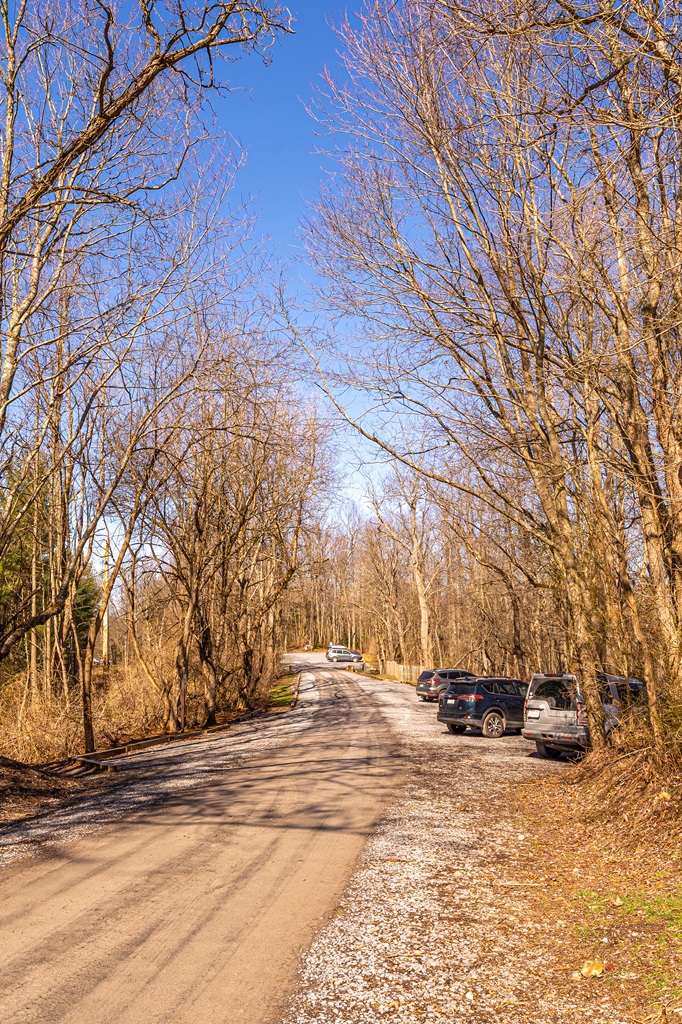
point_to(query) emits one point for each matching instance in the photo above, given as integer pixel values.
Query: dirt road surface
(188, 892)
(457, 911)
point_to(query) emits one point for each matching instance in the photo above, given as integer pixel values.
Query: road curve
(197, 910)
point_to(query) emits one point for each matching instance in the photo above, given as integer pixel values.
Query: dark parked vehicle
(555, 710)
(435, 681)
(489, 704)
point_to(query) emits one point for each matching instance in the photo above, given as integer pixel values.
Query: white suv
(555, 715)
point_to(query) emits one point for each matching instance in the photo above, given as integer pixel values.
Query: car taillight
(471, 696)
(581, 712)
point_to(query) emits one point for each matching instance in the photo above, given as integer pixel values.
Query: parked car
(555, 714)
(491, 704)
(435, 681)
(338, 653)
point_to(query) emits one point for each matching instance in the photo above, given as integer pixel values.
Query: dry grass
(46, 728)
(125, 707)
(626, 788)
(38, 730)
(606, 847)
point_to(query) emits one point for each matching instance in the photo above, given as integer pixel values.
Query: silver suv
(555, 715)
(338, 653)
(435, 681)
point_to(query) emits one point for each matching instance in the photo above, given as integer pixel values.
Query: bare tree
(403, 514)
(100, 106)
(504, 246)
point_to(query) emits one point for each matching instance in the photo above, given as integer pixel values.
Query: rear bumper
(449, 716)
(558, 744)
(577, 738)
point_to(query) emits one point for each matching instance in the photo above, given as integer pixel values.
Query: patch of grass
(664, 909)
(282, 694)
(618, 895)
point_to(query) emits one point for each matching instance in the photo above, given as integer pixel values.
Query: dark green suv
(491, 704)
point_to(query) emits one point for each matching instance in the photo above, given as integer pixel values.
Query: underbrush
(38, 730)
(630, 787)
(42, 727)
(124, 708)
(45, 727)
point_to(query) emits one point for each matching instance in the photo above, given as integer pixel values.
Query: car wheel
(335, 659)
(493, 725)
(455, 727)
(549, 752)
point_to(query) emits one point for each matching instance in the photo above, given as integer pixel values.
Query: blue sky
(267, 117)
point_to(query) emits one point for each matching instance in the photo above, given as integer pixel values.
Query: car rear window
(461, 688)
(556, 692)
(424, 676)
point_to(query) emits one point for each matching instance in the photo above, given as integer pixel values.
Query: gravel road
(219, 881)
(187, 891)
(433, 926)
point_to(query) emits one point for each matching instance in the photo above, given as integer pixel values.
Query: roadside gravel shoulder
(435, 924)
(146, 779)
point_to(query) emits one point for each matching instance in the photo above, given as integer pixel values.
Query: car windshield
(556, 692)
(605, 692)
(630, 692)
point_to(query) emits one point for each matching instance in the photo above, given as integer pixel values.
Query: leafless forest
(504, 237)
(157, 466)
(418, 581)
(499, 252)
